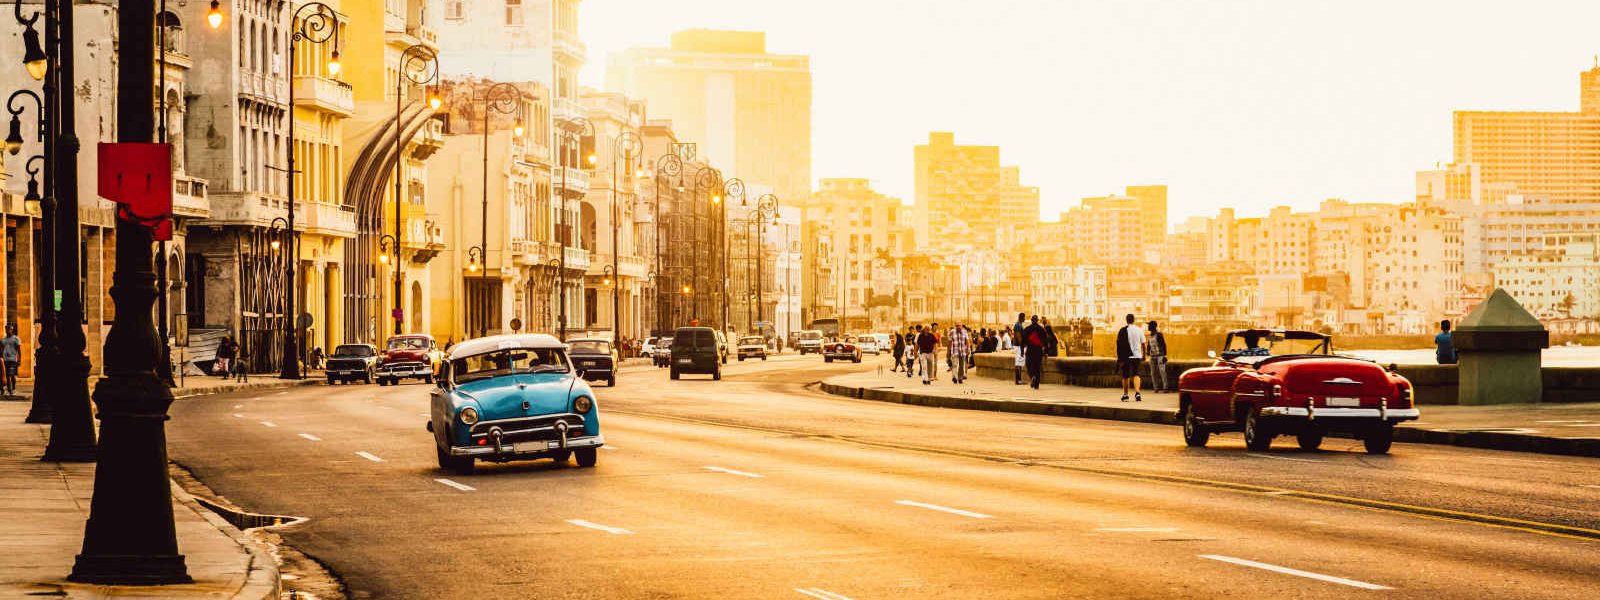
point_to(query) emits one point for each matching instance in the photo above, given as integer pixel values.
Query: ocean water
(1559, 356)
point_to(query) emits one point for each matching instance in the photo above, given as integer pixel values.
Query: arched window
(169, 32)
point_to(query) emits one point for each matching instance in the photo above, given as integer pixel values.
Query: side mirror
(580, 373)
(441, 382)
(1211, 353)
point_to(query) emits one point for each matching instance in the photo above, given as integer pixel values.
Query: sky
(1243, 103)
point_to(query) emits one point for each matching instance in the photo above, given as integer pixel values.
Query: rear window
(811, 335)
(694, 338)
(591, 347)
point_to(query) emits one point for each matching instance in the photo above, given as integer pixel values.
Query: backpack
(1124, 349)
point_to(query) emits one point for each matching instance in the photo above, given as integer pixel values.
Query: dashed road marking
(280, 393)
(730, 471)
(593, 525)
(1589, 485)
(820, 593)
(238, 415)
(1296, 572)
(369, 456)
(425, 415)
(1282, 457)
(1277, 492)
(310, 437)
(953, 511)
(268, 423)
(237, 406)
(612, 448)
(1137, 529)
(460, 486)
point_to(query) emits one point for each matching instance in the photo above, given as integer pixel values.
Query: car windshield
(811, 335)
(407, 344)
(508, 362)
(355, 350)
(1259, 344)
(751, 341)
(591, 347)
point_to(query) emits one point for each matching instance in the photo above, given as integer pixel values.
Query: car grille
(525, 429)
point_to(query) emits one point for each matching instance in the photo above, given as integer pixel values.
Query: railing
(189, 197)
(567, 43)
(325, 218)
(575, 180)
(324, 93)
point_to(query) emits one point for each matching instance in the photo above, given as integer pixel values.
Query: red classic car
(844, 348)
(1268, 383)
(413, 355)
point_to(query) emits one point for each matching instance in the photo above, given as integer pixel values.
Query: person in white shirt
(1131, 351)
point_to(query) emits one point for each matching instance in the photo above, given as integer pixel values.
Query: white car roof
(481, 345)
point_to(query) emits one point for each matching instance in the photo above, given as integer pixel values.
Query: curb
(190, 392)
(1487, 438)
(262, 577)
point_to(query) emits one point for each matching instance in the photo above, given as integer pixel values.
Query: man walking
(1130, 356)
(1033, 344)
(1444, 345)
(11, 355)
(225, 352)
(1158, 360)
(927, 344)
(899, 350)
(960, 347)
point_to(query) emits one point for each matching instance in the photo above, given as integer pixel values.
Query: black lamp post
(734, 187)
(627, 145)
(706, 180)
(669, 165)
(385, 242)
(502, 98)
(555, 266)
(319, 25)
(766, 212)
(40, 410)
(419, 65)
(474, 255)
(571, 130)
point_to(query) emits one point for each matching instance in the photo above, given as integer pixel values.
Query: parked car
(752, 346)
(352, 362)
(512, 397)
(868, 344)
(595, 359)
(661, 355)
(1268, 383)
(844, 348)
(648, 348)
(722, 346)
(809, 341)
(694, 350)
(410, 356)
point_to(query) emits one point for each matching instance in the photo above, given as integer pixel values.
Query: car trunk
(1335, 381)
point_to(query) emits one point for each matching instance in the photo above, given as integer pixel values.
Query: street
(759, 486)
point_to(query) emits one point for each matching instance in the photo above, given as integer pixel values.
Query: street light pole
(316, 27)
(627, 143)
(566, 129)
(706, 178)
(670, 165)
(419, 64)
(766, 210)
(130, 537)
(45, 352)
(502, 98)
(734, 187)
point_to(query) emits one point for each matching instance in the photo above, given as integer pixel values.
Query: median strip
(1296, 572)
(953, 511)
(597, 526)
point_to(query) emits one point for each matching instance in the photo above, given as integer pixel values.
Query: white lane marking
(1584, 425)
(1138, 529)
(953, 511)
(238, 415)
(613, 448)
(387, 407)
(729, 471)
(460, 486)
(1564, 421)
(310, 437)
(280, 393)
(1282, 457)
(268, 424)
(1296, 572)
(593, 525)
(1278, 492)
(425, 415)
(238, 406)
(1589, 485)
(369, 456)
(820, 593)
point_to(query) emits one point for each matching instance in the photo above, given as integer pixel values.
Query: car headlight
(469, 416)
(582, 404)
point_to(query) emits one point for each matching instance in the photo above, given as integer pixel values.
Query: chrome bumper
(533, 447)
(405, 370)
(1388, 414)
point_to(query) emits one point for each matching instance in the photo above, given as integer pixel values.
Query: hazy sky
(1246, 103)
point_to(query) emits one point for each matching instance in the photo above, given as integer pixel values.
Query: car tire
(674, 374)
(460, 465)
(562, 456)
(827, 359)
(1256, 435)
(763, 357)
(1309, 440)
(366, 378)
(1379, 439)
(1195, 433)
(428, 379)
(611, 381)
(857, 359)
(741, 358)
(587, 457)
(332, 381)
(716, 375)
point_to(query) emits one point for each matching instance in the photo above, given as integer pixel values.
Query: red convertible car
(844, 348)
(1268, 383)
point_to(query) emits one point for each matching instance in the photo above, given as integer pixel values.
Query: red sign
(138, 177)
(397, 314)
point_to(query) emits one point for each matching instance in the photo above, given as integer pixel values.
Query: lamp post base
(72, 431)
(115, 569)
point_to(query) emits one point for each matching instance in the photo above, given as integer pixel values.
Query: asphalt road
(758, 486)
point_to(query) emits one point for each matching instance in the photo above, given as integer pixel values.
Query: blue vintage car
(513, 397)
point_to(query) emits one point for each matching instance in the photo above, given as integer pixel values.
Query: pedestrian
(316, 357)
(1016, 330)
(1157, 343)
(1020, 362)
(911, 348)
(1005, 340)
(899, 350)
(1051, 344)
(960, 343)
(11, 355)
(1130, 356)
(224, 362)
(1444, 345)
(1033, 343)
(927, 351)
(240, 374)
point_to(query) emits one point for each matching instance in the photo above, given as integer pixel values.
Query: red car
(1268, 383)
(841, 349)
(413, 355)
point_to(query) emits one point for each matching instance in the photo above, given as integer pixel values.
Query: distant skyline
(1243, 103)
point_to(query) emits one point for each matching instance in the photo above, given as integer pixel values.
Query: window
(455, 9)
(514, 13)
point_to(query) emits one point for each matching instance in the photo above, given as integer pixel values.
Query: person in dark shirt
(927, 346)
(1033, 338)
(1444, 344)
(899, 350)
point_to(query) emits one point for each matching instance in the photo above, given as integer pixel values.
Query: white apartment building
(1561, 280)
(1070, 291)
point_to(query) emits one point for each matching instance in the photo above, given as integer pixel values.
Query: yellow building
(961, 187)
(1555, 155)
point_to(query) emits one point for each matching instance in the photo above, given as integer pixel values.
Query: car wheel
(1379, 439)
(716, 375)
(763, 357)
(741, 358)
(674, 373)
(827, 359)
(611, 381)
(587, 457)
(332, 381)
(460, 465)
(428, 379)
(1195, 433)
(366, 378)
(562, 456)
(1309, 440)
(1256, 435)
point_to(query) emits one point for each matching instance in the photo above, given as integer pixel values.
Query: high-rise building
(1555, 155)
(866, 231)
(1108, 230)
(748, 110)
(1152, 212)
(964, 190)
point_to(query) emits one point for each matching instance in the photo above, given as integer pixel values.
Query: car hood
(502, 397)
(405, 355)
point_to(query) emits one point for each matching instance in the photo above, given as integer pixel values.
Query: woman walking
(899, 350)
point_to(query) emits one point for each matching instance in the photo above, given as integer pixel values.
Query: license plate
(1332, 401)
(554, 445)
(684, 361)
(589, 363)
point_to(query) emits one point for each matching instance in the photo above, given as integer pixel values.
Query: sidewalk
(43, 508)
(1570, 429)
(197, 385)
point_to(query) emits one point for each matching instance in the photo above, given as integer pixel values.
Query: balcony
(243, 208)
(325, 94)
(335, 220)
(569, 48)
(263, 86)
(189, 197)
(429, 140)
(575, 180)
(565, 109)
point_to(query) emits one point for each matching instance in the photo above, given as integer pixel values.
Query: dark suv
(694, 350)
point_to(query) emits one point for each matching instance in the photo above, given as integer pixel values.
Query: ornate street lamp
(502, 98)
(766, 212)
(34, 58)
(32, 202)
(627, 145)
(419, 65)
(571, 130)
(733, 188)
(707, 180)
(669, 165)
(214, 15)
(315, 23)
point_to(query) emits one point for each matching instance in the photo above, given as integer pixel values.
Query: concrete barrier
(1434, 384)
